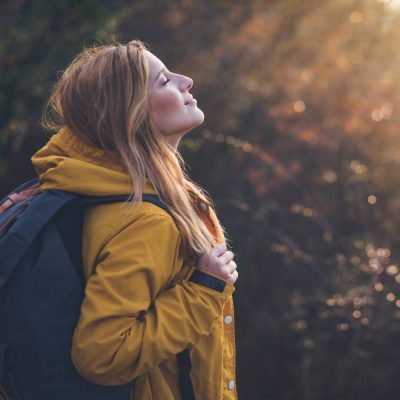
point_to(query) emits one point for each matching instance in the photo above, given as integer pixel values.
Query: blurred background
(300, 150)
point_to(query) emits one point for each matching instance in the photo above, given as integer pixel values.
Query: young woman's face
(170, 105)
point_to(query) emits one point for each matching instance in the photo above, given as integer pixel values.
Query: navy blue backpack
(41, 291)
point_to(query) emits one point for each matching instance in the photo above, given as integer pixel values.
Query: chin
(198, 123)
(183, 129)
(195, 121)
(200, 117)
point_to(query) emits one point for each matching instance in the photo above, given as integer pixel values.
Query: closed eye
(164, 83)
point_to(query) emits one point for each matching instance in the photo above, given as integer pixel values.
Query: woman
(119, 114)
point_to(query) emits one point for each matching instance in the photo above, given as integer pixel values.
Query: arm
(127, 326)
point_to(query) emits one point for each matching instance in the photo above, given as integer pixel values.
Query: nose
(187, 83)
(190, 84)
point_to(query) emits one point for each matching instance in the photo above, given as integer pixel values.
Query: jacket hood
(66, 163)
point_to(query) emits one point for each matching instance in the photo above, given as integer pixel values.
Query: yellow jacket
(140, 309)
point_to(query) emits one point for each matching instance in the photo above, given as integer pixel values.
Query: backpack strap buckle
(15, 197)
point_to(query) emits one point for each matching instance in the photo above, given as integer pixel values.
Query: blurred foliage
(299, 149)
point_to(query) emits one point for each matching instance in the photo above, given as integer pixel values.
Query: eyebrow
(159, 73)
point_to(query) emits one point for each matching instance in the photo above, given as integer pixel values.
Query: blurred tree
(301, 151)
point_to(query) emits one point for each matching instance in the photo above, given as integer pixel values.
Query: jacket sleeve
(131, 320)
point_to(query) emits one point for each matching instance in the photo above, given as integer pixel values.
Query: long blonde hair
(102, 97)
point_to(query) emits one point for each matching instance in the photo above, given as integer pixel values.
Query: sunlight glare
(392, 4)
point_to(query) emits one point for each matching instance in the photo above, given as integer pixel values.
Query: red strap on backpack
(15, 198)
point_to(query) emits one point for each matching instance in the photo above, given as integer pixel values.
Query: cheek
(166, 104)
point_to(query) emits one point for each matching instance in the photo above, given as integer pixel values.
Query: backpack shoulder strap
(150, 198)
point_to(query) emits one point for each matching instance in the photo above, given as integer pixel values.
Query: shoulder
(111, 218)
(104, 222)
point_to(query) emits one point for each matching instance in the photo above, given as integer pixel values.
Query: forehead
(155, 64)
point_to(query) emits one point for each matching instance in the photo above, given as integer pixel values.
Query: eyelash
(164, 83)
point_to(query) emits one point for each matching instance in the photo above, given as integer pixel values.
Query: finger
(228, 269)
(233, 277)
(226, 257)
(218, 250)
(231, 267)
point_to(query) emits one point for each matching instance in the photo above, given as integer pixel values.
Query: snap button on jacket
(140, 309)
